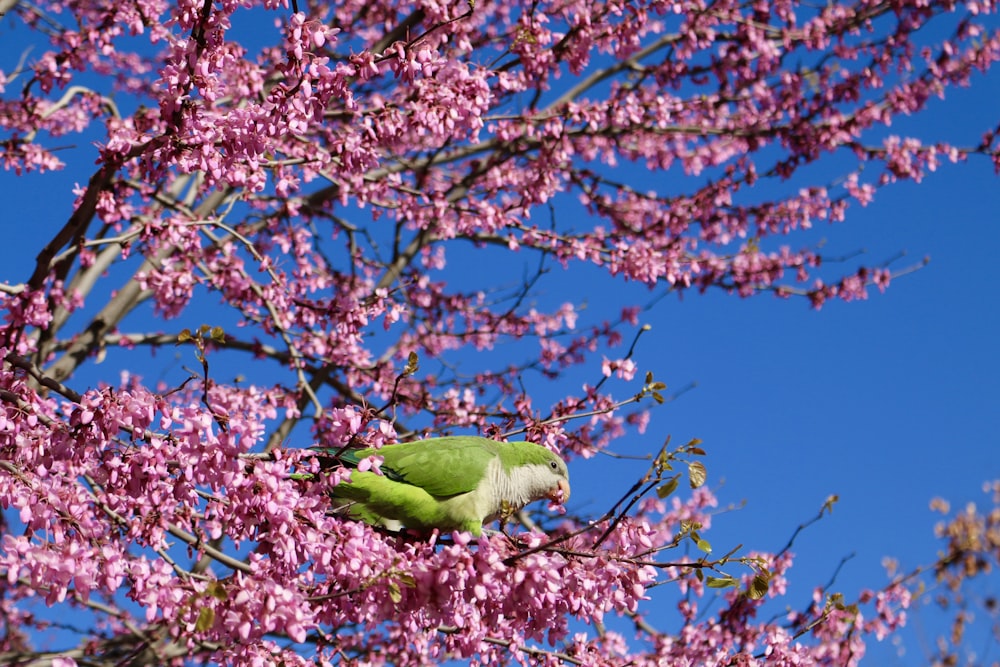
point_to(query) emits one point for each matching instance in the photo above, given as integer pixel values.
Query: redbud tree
(276, 194)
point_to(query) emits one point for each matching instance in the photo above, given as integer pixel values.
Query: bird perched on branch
(449, 483)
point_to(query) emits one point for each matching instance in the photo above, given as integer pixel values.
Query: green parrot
(450, 483)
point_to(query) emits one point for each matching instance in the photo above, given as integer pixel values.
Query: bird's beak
(559, 494)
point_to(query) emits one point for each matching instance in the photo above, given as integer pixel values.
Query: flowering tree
(299, 178)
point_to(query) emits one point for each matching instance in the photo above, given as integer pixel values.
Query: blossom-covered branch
(347, 219)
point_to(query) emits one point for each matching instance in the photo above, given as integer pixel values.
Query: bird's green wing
(352, 457)
(442, 467)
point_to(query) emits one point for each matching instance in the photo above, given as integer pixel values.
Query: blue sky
(887, 403)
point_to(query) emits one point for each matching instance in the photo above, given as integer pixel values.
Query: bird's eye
(553, 465)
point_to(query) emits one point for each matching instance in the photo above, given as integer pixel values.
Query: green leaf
(206, 619)
(697, 474)
(690, 527)
(216, 590)
(703, 545)
(836, 601)
(758, 587)
(412, 364)
(184, 336)
(218, 335)
(665, 490)
(395, 594)
(720, 582)
(658, 397)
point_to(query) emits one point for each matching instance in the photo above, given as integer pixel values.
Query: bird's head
(535, 473)
(558, 492)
